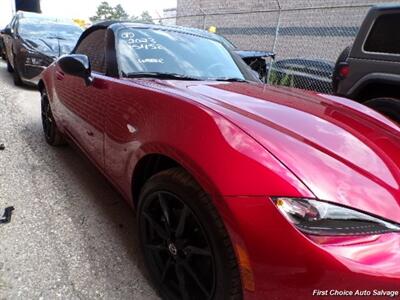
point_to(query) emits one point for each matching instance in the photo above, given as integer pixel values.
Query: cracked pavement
(71, 236)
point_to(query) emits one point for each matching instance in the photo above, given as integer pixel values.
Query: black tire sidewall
(390, 107)
(44, 98)
(207, 221)
(55, 138)
(9, 67)
(17, 76)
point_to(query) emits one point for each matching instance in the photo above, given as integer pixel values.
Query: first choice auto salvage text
(360, 293)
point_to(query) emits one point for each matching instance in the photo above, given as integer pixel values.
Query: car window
(384, 37)
(94, 47)
(228, 44)
(165, 51)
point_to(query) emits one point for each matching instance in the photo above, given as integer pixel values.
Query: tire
(341, 59)
(389, 107)
(9, 67)
(200, 246)
(17, 76)
(51, 132)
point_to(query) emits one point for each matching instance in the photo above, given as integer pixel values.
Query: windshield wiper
(54, 37)
(159, 75)
(229, 79)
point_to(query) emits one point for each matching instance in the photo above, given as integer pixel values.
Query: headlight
(322, 218)
(34, 61)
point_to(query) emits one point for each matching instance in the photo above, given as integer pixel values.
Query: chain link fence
(306, 35)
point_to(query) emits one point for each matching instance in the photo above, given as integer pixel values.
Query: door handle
(60, 75)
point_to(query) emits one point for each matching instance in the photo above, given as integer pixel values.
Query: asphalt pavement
(71, 235)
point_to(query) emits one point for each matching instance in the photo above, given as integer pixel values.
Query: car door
(82, 106)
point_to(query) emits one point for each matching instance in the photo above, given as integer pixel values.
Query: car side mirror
(77, 65)
(6, 31)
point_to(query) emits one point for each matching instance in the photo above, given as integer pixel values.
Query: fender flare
(383, 78)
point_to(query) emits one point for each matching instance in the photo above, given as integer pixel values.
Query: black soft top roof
(101, 25)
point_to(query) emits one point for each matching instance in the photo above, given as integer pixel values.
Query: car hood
(54, 47)
(341, 150)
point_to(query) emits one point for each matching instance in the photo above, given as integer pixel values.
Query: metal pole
(275, 39)
(204, 16)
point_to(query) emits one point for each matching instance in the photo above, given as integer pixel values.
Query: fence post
(275, 39)
(204, 17)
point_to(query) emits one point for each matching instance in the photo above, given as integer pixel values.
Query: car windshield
(37, 28)
(228, 44)
(156, 51)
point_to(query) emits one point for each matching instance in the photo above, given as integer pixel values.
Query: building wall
(318, 29)
(194, 7)
(169, 16)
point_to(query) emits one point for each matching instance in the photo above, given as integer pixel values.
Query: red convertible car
(242, 190)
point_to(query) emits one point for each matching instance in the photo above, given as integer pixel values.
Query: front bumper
(29, 72)
(288, 265)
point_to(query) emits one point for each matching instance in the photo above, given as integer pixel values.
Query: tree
(119, 13)
(145, 17)
(106, 12)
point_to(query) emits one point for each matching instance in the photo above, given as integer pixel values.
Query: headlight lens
(322, 218)
(30, 60)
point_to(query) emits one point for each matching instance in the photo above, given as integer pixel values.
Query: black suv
(369, 70)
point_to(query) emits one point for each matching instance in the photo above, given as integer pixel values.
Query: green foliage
(143, 18)
(287, 80)
(275, 79)
(119, 13)
(106, 12)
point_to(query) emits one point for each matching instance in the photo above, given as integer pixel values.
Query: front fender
(222, 158)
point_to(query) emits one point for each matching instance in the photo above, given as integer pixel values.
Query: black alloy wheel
(176, 242)
(188, 258)
(50, 130)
